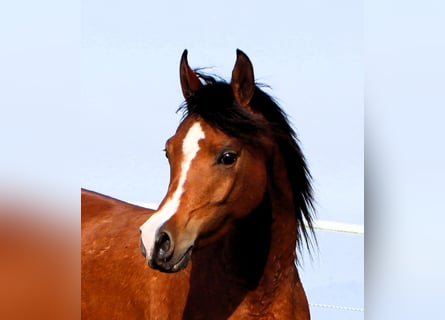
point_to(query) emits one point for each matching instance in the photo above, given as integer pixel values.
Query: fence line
(338, 227)
(335, 307)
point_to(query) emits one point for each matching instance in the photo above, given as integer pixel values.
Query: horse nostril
(163, 247)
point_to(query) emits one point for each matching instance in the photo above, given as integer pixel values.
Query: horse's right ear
(243, 82)
(189, 80)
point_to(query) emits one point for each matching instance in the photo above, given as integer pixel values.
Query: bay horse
(222, 244)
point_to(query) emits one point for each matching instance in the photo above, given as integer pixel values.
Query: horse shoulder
(113, 269)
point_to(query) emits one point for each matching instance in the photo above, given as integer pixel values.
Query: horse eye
(166, 153)
(228, 158)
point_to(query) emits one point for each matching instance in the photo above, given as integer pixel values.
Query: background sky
(310, 53)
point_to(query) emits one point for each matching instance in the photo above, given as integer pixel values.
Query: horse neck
(260, 250)
(253, 265)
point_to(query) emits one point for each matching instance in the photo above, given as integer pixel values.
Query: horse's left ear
(189, 80)
(243, 81)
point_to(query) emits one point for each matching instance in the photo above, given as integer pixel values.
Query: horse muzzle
(164, 256)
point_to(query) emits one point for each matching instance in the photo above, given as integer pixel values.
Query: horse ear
(243, 82)
(189, 80)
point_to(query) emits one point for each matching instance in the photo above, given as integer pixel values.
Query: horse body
(115, 284)
(222, 243)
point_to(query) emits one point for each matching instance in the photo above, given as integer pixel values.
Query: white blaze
(190, 147)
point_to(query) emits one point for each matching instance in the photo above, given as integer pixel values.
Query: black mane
(216, 104)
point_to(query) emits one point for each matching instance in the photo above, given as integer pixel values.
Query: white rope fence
(335, 307)
(341, 227)
(338, 227)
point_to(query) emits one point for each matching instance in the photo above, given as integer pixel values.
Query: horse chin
(183, 261)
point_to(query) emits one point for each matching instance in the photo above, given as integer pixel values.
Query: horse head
(215, 178)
